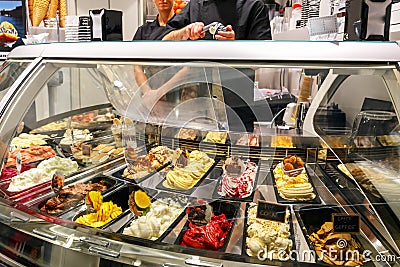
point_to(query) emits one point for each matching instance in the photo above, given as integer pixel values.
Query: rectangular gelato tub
(313, 219)
(110, 182)
(119, 174)
(280, 235)
(119, 197)
(166, 211)
(233, 186)
(189, 190)
(203, 237)
(315, 200)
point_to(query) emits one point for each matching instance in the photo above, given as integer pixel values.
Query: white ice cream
(261, 234)
(43, 173)
(162, 214)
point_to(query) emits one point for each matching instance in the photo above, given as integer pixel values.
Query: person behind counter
(154, 30)
(245, 20)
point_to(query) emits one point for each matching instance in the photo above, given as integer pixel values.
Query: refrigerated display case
(192, 167)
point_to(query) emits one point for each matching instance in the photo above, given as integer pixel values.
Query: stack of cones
(63, 12)
(46, 9)
(30, 10)
(40, 8)
(305, 92)
(52, 12)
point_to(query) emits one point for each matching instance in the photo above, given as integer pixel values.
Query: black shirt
(157, 75)
(248, 18)
(150, 31)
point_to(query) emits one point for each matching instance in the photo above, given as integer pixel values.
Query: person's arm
(176, 80)
(141, 79)
(181, 34)
(260, 28)
(181, 28)
(151, 97)
(192, 31)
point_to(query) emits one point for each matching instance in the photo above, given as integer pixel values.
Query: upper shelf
(302, 51)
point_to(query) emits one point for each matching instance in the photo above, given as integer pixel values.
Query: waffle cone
(53, 9)
(30, 10)
(305, 92)
(40, 8)
(63, 12)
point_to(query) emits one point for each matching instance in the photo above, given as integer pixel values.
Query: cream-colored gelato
(216, 137)
(55, 126)
(43, 173)
(186, 177)
(293, 188)
(162, 214)
(63, 165)
(281, 141)
(25, 140)
(73, 136)
(266, 235)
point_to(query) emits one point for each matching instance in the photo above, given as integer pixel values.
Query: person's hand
(194, 30)
(150, 98)
(148, 104)
(229, 34)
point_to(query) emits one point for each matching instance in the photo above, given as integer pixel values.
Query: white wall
(352, 92)
(395, 22)
(132, 17)
(132, 12)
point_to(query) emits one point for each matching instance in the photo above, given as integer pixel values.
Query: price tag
(322, 25)
(271, 211)
(86, 149)
(345, 223)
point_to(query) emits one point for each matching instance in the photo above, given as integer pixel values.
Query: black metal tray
(227, 141)
(381, 140)
(184, 200)
(120, 197)
(119, 174)
(236, 140)
(65, 150)
(172, 133)
(4, 184)
(267, 261)
(93, 126)
(189, 191)
(110, 182)
(312, 217)
(230, 210)
(249, 198)
(315, 200)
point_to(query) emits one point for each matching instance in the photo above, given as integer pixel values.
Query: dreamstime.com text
(340, 254)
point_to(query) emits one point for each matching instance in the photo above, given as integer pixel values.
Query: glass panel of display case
(10, 71)
(357, 120)
(204, 158)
